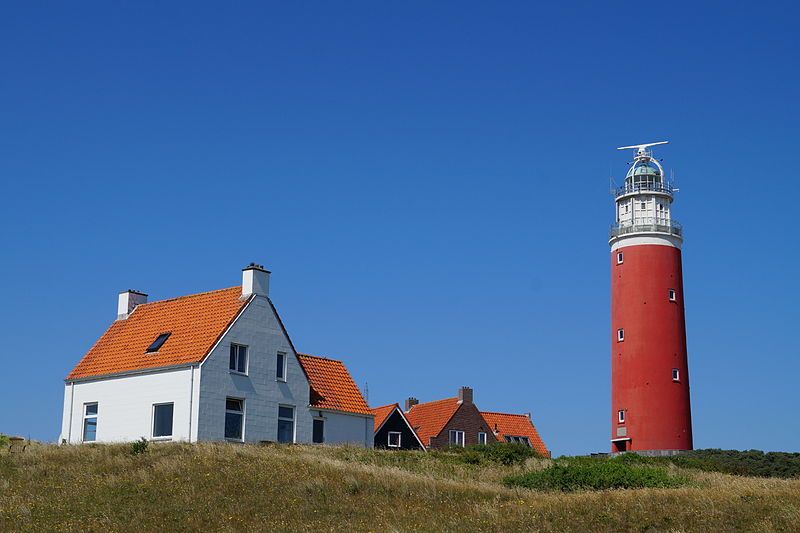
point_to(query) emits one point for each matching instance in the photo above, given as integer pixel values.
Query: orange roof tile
(194, 322)
(332, 387)
(428, 419)
(382, 413)
(517, 425)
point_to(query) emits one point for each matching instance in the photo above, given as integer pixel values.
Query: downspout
(191, 398)
(71, 405)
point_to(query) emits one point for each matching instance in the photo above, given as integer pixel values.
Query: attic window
(158, 343)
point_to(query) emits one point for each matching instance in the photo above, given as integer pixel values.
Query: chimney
(411, 402)
(128, 300)
(465, 395)
(255, 280)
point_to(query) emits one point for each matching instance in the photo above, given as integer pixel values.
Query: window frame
(153, 435)
(676, 375)
(672, 295)
(239, 347)
(455, 442)
(241, 413)
(283, 368)
(621, 416)
(286, 419)
(87, 417)
(482, 437)
(620, 258)
(620, 334)
(399, 439)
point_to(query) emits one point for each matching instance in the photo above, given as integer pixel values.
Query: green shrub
(140, 446)
(595, 474)
(502, 453)
(4, 441)
(743, 463)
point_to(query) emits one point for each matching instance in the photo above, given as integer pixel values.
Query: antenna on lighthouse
(640, 148)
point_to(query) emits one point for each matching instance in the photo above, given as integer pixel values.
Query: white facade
(347, 428)
(125, 405)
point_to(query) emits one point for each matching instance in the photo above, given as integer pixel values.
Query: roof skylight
(158, 343)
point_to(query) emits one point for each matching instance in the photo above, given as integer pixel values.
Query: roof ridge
(320, 357)
(189, 296)
(395, 404)
(435, 401)
(507, 414)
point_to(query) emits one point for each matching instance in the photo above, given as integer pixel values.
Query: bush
(595, 474)
(503, 453)
(4, 441)
(743, 463)
(140, 446)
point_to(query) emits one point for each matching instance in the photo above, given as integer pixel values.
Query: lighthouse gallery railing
(647, 225)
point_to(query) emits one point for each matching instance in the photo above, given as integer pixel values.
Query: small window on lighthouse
(621, 416)
(672, 295)
(676, 375)
(620, 335)
(619, 258)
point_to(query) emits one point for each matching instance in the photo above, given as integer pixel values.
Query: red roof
(515, 425)
(428, 419)
(382, 413)
(194, 323)
(332, 387)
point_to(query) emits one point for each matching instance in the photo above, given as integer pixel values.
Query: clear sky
(428, 182)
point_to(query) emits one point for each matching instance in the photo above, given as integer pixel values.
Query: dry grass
(303, 488)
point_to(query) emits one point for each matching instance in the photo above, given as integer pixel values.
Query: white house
(211, 366)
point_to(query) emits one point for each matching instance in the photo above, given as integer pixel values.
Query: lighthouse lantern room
(650, 405)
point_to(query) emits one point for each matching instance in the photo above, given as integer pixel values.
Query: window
(621, 416)
(456, 437)
(620, 335)
(158, 343)
(234, 418)
(90, 422)
(671, 293)
(518, 440)
(318, 431)
(676, 374)
(280, 373)
(626, 207)
(285, 423)
(238, 361)
(644, 205)
(394, 439)
(481, 437)
(619, 258)
(162, 420)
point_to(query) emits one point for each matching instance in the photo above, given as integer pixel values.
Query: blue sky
(427, 182)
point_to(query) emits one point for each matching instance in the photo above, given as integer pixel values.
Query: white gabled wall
(125, 405)
(258, 328)
(343, 428)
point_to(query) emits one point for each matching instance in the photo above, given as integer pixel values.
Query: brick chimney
(465, 395)
(411, 402)
(255, 280)
(127, 302)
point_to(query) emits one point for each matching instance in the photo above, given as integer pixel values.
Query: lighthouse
(650, 408)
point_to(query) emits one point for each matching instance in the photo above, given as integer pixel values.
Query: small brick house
(449, 422)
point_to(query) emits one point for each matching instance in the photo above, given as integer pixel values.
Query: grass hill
(304, 488)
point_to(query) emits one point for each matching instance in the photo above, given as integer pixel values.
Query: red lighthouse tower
(649, 369)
